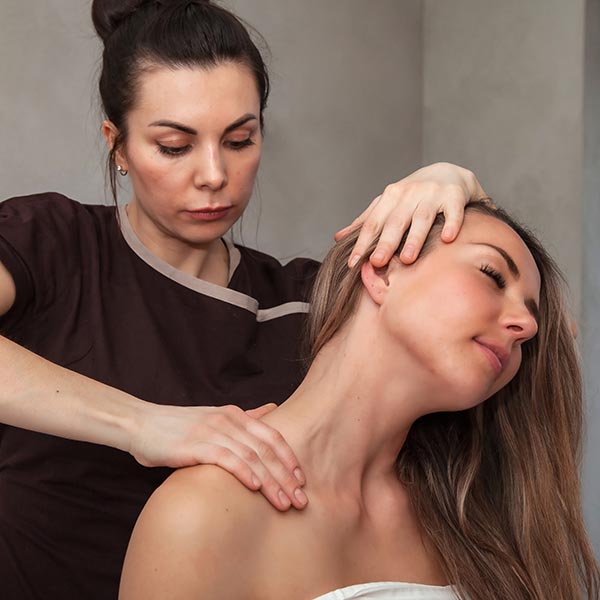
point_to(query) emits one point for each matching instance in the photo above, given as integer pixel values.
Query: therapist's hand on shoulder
(226, 436)
(412, 204)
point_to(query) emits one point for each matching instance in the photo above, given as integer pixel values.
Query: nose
(520, 322)
(210, 169)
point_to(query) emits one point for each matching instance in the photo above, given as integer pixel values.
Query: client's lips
(496, 354)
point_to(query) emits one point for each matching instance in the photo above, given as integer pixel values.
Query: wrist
(120, 420)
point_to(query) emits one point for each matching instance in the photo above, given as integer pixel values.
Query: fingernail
(255, 481)
(284, 499)
(300, 496)
(378, 255)
(408, 252)
(299, 475)
(354, 260)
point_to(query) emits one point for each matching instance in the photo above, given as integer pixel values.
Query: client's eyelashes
(495, 275)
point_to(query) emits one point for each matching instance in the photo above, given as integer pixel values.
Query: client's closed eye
(495, 275)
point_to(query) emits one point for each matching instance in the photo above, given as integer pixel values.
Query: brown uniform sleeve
(39, 245)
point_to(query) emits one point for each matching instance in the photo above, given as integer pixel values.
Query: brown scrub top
(91, 298)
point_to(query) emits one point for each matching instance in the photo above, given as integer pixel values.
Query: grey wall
(50, 129)
(504, 96)
(590, 323)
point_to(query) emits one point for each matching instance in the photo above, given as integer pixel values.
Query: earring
(121, 170)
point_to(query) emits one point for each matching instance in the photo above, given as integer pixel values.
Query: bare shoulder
(210, 496)
(198, 534)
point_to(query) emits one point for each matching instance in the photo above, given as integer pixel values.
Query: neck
(349, 419)
(208, 261)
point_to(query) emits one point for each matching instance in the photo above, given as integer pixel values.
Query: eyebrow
(511, 264)
(532, 307)
(185, 129)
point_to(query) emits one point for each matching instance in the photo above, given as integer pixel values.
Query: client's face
(466, 309)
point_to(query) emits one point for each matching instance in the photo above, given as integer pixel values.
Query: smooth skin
(194, 142)
(202, 535)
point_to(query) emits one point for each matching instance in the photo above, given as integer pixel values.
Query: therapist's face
(193, 149)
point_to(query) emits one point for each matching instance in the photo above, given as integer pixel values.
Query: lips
(214, 213)
(496, 354)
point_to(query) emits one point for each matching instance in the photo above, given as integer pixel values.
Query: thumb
(261, 411)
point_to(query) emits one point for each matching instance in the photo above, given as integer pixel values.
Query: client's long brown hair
(495, 488)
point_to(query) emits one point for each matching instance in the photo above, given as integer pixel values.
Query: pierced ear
(375, 280)
(110, 133)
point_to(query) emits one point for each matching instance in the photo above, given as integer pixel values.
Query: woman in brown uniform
(138, 337)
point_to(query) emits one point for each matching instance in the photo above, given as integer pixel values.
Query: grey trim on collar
(204, 287)
(266, 314)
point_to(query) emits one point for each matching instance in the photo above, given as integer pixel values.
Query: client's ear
(375, 280)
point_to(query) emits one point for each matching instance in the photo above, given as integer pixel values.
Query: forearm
(38, 395)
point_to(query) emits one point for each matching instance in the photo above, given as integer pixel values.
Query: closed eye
(495, 275)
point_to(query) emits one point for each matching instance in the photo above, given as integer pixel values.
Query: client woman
(439, 425)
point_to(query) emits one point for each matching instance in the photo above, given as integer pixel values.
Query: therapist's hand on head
(412, 204)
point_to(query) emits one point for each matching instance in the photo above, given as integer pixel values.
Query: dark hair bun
(107, 15)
